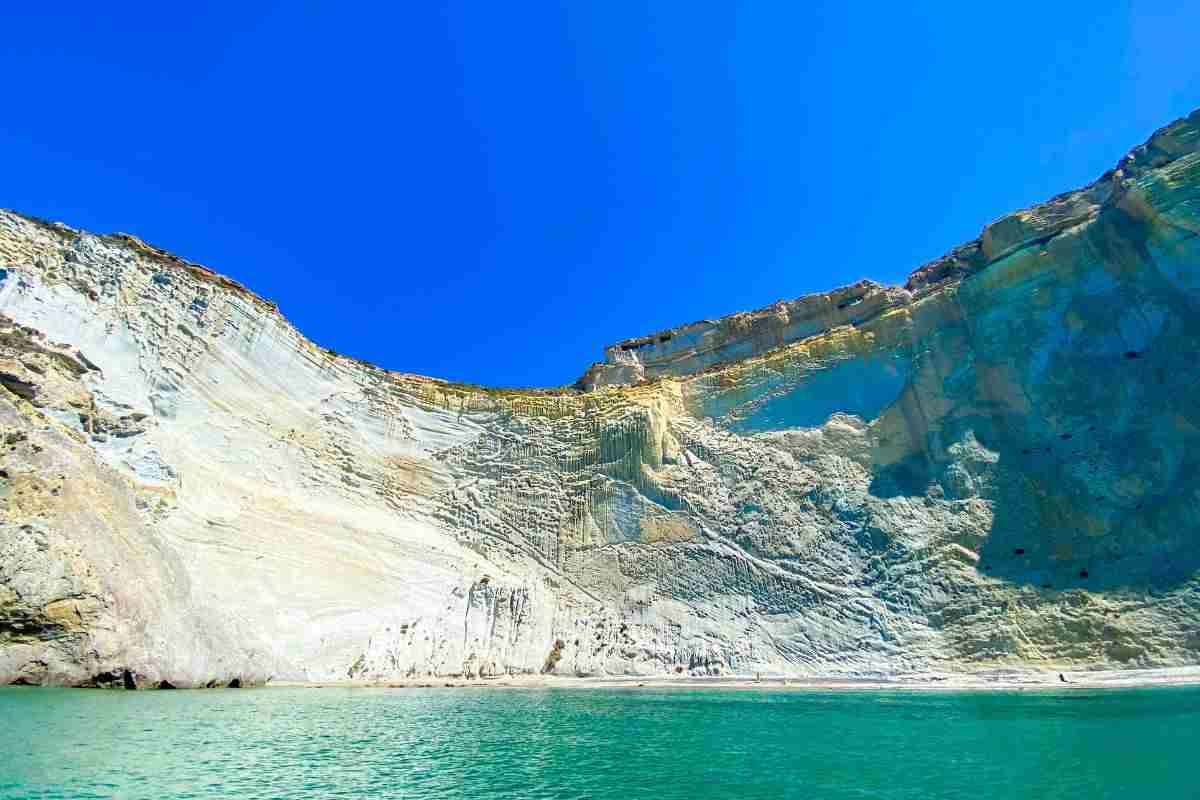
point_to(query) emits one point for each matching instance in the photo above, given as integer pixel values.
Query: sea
(659, 744)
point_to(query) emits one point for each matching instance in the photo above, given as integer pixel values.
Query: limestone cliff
(994, 465)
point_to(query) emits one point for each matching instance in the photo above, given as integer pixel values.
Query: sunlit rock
(993, 466)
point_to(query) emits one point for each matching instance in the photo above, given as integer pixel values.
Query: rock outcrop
(995, 465)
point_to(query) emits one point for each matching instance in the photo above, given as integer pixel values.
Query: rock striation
(994, 466)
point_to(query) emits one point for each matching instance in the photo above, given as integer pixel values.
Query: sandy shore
(996, 680)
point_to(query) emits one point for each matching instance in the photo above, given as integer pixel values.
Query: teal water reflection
(486, 743)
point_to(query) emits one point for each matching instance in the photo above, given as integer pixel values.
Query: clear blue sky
(491, 192)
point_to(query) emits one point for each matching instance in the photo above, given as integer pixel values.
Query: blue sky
(492, 192)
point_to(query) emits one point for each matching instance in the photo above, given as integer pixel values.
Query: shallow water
(577, 743)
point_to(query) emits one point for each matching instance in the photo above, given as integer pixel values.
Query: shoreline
(1040, 680)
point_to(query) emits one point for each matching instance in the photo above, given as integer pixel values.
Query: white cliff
(990, 467)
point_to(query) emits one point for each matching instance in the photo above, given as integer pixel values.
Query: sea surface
(603, 743)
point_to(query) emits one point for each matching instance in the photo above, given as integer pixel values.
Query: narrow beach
(995, 680)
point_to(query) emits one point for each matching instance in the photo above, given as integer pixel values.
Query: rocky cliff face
(995, 465)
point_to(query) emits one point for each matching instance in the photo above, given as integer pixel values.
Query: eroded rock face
(995, 465)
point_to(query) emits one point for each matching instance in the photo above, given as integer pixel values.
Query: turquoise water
(472, 743)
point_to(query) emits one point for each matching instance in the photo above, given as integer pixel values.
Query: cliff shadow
(1085, 509)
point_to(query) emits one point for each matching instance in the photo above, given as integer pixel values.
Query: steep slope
(995, 465)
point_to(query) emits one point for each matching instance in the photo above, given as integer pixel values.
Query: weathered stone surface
(993, 466)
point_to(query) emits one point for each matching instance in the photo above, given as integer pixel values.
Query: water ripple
(595, 744)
